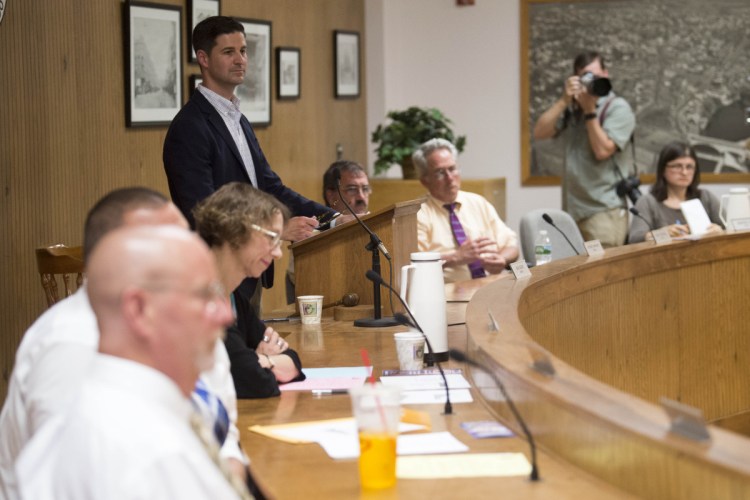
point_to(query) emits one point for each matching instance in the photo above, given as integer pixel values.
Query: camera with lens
(596, 85)
(629, 187)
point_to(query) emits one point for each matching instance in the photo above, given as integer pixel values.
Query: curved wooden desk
(623, 330)
(305, 471)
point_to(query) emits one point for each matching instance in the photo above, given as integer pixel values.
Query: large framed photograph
(346, 67)
(198, 10)
(153, 66)
(682, 84)
(255, 91)
(287, 73)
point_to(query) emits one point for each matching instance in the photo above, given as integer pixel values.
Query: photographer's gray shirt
(589, 184)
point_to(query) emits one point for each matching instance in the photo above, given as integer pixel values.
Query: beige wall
(63, 140)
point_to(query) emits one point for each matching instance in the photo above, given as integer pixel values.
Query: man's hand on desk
(471, 250)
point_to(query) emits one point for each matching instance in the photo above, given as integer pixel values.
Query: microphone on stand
(635, 212)
(378, 280)
(549, 221)
(462, 357)
(375, 244)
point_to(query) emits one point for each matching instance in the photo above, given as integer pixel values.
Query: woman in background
(677, 180)
(243, 227)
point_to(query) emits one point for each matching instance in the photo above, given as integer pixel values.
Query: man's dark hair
(107, 214)
(329, 177)
(584, 59)
(206, 32)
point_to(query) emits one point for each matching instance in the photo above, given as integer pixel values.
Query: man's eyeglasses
(354, 190)
(212, 294)
(273, 238)
(442, 173)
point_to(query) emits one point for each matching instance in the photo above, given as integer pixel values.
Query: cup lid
(425, 256)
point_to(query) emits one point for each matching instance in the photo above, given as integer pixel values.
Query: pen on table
(276, 320)
(325, 392)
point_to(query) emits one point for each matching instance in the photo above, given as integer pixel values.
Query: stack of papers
(340, 441)
(337, 378)
(430, 389)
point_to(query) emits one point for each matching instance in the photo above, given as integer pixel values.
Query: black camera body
(596, 85)
(629, 187)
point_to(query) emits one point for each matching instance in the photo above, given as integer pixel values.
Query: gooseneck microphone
(373, 246)
(378, 280)
(462, 357)
(635, 212)
(549, 221)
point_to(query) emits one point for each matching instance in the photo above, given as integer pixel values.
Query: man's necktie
(204, 436)
(477, 271)
(212, 409)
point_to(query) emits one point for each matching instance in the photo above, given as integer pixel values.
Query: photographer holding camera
(597, 126)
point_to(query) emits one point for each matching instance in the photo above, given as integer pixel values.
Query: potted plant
(407, 130)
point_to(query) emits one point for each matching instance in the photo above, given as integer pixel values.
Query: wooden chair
(59, 260)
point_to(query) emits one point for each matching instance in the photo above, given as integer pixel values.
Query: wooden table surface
(305, 470)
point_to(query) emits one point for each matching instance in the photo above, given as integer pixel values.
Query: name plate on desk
(741, 224)
(520, 269)
(661, 236)
(594, 248)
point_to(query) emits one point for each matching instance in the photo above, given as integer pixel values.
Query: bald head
(153, 290)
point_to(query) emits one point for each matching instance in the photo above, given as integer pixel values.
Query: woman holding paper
(243, 227)
(677, 180)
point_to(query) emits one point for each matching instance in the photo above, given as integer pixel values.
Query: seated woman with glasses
(677, 180)
(243, 227)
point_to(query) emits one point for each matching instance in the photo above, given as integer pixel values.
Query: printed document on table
(426, 382)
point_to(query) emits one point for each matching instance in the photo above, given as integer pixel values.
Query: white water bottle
(542, 248)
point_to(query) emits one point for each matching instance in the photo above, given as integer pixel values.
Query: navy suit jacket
(200, 156)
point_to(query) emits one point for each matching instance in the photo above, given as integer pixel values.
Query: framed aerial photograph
(346, 67)
(287, 73)
(255, 91)
(682, 84)
(198, 10)
(153, 66)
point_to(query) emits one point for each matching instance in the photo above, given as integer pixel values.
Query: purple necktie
(477, 271)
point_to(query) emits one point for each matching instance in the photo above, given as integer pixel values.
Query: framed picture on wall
(288, 72)
(153, 73)
(255, 91)
(346, 67)
(195, 80)
(678, 89)
(198, 10)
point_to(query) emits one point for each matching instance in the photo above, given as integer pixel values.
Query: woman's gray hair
(419, 157)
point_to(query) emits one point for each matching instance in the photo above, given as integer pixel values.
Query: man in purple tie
(464, 227)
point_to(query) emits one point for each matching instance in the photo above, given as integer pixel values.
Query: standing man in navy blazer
(210, 143)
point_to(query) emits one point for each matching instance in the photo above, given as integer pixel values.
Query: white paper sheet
(464, 465)
(696, 216)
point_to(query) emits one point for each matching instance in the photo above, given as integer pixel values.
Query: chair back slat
(63, 261)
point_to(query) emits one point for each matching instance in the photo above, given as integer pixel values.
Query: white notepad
(696, 216)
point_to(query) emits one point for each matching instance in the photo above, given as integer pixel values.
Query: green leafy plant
(397, 140)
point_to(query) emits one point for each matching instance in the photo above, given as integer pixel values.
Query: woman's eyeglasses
(274, 238)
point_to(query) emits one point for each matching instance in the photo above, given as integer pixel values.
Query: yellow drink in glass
(377, 460)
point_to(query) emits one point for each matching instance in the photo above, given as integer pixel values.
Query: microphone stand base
(430, 358)
(377, 322)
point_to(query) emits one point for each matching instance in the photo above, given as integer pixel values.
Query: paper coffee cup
(310, 308)
(410, 350)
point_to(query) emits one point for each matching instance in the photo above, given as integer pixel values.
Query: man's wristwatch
(589, 116)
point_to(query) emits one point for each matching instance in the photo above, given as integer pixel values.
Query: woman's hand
(272, 343)
(677, 230)
(714, 229)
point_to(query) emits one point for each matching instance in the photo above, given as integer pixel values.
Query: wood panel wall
(63, 140)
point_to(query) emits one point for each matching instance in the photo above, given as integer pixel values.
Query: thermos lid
(425, 256)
